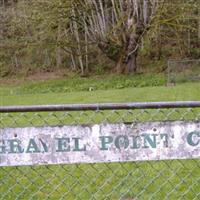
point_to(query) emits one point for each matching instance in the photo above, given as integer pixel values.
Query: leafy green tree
(118, 27)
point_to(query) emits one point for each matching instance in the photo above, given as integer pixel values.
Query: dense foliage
(94, 36)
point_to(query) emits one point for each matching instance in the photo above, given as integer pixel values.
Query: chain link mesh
(173, 179)
(183, 71)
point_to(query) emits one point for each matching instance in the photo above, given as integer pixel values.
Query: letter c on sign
(193, 138)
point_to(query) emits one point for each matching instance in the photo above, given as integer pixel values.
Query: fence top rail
(100, 106)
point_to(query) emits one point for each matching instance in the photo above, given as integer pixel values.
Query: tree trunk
(127, 67)
(58, 49)
(131, 64)
(199, 27)
(120, 67)
(58, 57)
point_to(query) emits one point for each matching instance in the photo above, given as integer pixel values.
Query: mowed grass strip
(182, 92)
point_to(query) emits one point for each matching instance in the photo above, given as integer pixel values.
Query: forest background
(94, 37)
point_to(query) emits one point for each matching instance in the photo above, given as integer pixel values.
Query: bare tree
(118, 26)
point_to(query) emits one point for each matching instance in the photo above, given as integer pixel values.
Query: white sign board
(99, 143)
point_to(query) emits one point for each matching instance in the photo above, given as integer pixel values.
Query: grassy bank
(78, 84)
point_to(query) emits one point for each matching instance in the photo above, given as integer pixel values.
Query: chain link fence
(183, 71)
(170, 179)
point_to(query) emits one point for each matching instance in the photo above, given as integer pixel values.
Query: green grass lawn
(77, 84)
(182, 92)
(134, 180)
